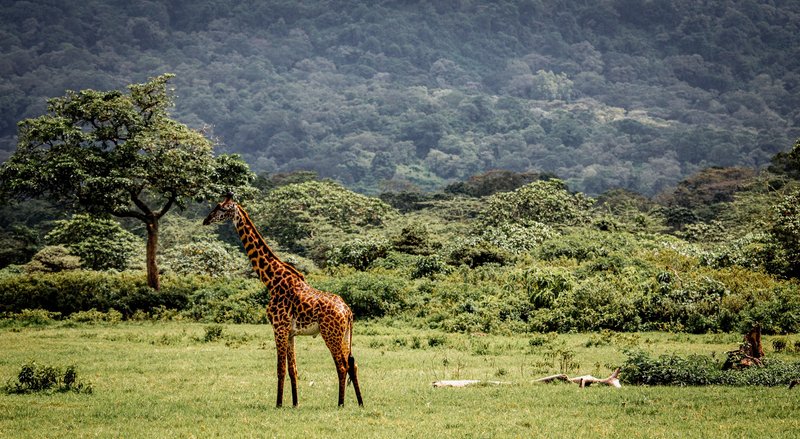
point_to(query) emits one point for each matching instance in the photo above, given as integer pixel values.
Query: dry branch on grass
(584, 380)
(465, 383)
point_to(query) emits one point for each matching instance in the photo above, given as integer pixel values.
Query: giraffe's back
(314, 312)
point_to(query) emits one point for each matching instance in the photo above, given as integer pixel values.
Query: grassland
(165, 379)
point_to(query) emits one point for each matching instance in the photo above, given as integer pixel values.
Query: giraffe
(295, 307)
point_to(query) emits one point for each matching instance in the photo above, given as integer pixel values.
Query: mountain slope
(608, 93)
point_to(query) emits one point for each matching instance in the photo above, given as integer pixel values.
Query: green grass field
(165, 380)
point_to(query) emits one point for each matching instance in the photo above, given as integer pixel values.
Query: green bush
(368, 295)
(548, 202)
(33, 377)
(212, 258)
(475, 252)
(53, 258)
(428, 266)
(414, 239)
(232, 301)
(213, 333)
(95, 316)
(696, 370)
(68, 292)
(297, 211)
(359, 253)
(101, 243)
(31, 317)
(516, 239)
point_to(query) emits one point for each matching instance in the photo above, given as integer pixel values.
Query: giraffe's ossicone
(295, 307)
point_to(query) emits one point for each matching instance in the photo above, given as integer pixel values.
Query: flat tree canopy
(106, 152)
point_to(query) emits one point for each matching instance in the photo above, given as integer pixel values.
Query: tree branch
(170, 201)
(140, 204)
(129, 214)
(585, 380)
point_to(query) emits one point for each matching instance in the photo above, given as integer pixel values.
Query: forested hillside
(400, 94)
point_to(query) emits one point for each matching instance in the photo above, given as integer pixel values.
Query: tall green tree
(108, 152)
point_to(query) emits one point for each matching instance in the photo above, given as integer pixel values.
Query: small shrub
(33, 377)
(475, 252)
(33, 317)
(538, 340)
(779, 344)
(437, 340)
(95, 316)
(562, 357)
(428, 266)
(359, 253)
(213, 333)
(53, 258)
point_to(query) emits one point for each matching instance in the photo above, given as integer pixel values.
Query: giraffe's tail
(351, 361)
(352, 368)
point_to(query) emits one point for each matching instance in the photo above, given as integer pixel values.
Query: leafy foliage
(786, 233)
(107, 152)
(33, 377)
(546, 202)
(368, 295)
(208, 257)
(698, 370)
(296, 211)
(359, 253)
(101, 243)
(53, 258)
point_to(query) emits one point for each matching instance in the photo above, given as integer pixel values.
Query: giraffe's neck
(270, 268)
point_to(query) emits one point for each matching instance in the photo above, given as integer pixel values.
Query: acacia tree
(107, 152)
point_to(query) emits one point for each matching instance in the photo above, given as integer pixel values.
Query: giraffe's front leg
(282, 348)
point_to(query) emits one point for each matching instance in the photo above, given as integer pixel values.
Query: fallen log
(465, 383)
(584, 380)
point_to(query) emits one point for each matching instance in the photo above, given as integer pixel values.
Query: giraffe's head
(224, 211)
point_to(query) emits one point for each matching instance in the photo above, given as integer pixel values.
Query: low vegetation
(33, 377)
(156, 379)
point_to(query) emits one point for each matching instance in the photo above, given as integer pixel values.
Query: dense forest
(510, 166)
(405, 95)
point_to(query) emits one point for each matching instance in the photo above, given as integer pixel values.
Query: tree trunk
(152, 248)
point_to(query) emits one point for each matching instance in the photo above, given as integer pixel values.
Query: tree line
(102, 180)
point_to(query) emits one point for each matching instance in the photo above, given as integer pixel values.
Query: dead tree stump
(749, 353)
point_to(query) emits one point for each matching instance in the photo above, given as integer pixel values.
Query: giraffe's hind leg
(292, 364)
(341, 369)
(352, 370)
(333, 341)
